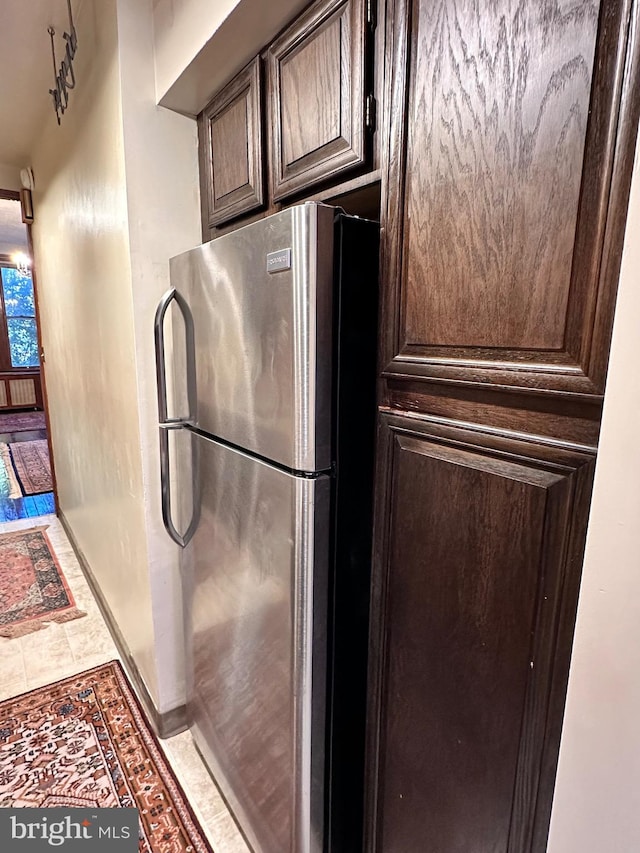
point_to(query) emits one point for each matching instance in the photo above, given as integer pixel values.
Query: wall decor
(64, 76)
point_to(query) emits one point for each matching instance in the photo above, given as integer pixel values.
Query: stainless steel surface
(167, 423)
(165, 486)
(263, 341)
(166, 492)
(187, 345)
(255, 579)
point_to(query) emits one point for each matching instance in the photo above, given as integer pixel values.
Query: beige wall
(116, 196)
(597, 799)
(161, 161)
(9, 177)
(181, 29)
(201, 45)
(81, 244)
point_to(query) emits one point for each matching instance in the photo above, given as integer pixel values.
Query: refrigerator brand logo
(280, 260)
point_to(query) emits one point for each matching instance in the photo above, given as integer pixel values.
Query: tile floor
(61, 650)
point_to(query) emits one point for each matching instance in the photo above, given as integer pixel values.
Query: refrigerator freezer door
(261, 301)
(255, 582)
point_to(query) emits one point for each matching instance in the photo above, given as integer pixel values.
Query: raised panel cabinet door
(475, 580)
(231, 145)
(317, 96)
(518, 119)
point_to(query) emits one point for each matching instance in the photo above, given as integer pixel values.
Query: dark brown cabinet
(473, 587)
(499, 210)
(232, 152)
(317, 96)
(508, 144)
(316, 87)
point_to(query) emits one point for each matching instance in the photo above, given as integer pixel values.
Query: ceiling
(26, 70)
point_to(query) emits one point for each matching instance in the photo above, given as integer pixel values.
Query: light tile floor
(61, 650)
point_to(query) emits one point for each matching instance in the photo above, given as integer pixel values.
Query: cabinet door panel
(493, 172)
(499, 254)
(478, 569)
(229, 135)
(317, 93)
(308, 80)
(231, 148)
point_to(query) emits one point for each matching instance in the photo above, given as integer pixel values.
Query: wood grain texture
(537, 416)
(204, 176)
(317, 77)
(491, 388)
(229, 136)
(505, 176)
(497, 117)
(231, 148)
(478, 551)
(310, 79)
(622, 72)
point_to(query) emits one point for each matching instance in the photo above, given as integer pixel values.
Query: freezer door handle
(161, 371)
(165, 422)
(165, 486)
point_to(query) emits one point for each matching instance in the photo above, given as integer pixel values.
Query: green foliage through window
(20, 312)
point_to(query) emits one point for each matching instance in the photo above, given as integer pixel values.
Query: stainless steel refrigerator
(267, 418)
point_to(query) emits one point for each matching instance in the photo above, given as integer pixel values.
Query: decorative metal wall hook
(64, 77)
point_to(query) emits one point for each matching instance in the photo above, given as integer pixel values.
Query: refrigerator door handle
(161, 372)
(165, 422)
(165, 486)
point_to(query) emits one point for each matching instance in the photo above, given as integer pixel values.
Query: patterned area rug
(22, 421)
(85, 742)
(32, 465)
(33, 590)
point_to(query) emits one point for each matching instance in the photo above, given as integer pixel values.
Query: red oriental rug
(22, 421)
(33, 590)
(84, 742)
(32, 465)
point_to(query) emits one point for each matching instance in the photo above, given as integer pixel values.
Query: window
(20, 316)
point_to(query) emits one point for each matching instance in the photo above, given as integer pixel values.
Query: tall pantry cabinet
(508, 145)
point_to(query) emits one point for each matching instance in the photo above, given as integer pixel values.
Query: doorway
(27, 484)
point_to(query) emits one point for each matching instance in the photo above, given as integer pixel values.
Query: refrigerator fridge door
(261, 302)
(255, 591)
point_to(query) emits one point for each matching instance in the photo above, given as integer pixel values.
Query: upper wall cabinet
(317, 71)
(508, 113)
(231, 148)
